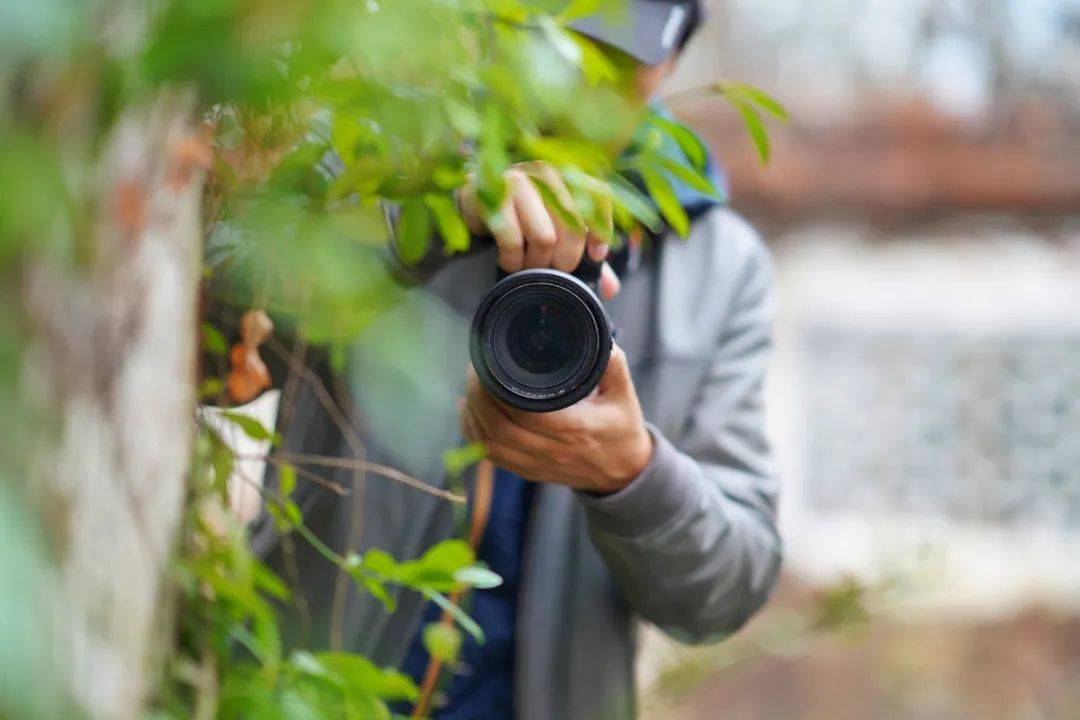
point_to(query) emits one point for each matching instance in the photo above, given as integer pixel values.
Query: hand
(529, 234)
(599, 445)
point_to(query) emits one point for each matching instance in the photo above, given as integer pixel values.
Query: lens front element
(540, 340)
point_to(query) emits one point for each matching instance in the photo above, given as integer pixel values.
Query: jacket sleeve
(692, 541)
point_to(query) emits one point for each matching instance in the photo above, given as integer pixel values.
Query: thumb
(616, 379)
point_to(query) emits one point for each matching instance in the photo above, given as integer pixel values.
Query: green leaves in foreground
(445, 568)
(251, 427)
(442, 641)
(316, 685)
(456, 460)
(750, 104)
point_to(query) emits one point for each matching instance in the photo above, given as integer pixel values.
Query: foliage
(320, 115)
(230, 654)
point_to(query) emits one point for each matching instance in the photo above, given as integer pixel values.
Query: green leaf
(359, 676)
(567, 152)
(435, 569)
(756, 128)
(576, 9)
(268, 581)
(413, 230)
(689, 176)
(443, 642)
(664, 197)
(381, 562)
(222, 460)
(213, 341)
(595, 65)
(560, 39)
(456, 460)
(286, 513)
(308, 664)
(462, 116)
(345, 135)
(378, 590)
(492, 160)
(286, 480)
(633, 201)
(555, 205)
(478, 576)
(510, 11)
(687, 139)
(251, 427)
(763, 100)
(460, 616)
(448, 555)
(363, 223)
(452, 227)
(338, 358)
(292, 512)
(210, 388)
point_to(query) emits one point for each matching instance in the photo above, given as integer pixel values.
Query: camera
(541, 339)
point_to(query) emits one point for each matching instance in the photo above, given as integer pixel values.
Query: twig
(292, 569)
(346, 463)
(298, 369)
(356, 528)
(302, 472)
(321, 392)
(288, 392)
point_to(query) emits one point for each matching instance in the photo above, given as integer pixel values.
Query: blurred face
(639, 82)
(648, 79)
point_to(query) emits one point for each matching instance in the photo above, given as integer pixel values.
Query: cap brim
(649, 32)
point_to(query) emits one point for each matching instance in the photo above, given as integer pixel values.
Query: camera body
(541, 339)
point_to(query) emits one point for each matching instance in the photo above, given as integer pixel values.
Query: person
(654, 498)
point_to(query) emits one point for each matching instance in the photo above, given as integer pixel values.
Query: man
(653, 498)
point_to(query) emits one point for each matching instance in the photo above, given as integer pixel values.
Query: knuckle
(546, 239)
(574, 427)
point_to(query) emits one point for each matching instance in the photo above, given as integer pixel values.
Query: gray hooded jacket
(690, 545)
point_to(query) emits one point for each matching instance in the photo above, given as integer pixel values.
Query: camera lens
(540, 340)
(544, 342)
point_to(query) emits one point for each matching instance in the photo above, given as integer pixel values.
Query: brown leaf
(248, 375)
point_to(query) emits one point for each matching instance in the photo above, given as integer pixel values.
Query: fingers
(508, 238)
(528, 233)
(571, 242)
(610, 285)
(570, 248)
(470, 207)
(597, 248)
(537, 225)
(493, 424)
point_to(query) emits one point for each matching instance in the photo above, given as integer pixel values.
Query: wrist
(634, 458)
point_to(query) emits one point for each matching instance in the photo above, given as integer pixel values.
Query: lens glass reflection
(540, 340)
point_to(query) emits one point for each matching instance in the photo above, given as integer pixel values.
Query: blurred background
(924, 212)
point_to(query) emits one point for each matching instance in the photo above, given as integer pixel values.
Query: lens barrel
(540, 340)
